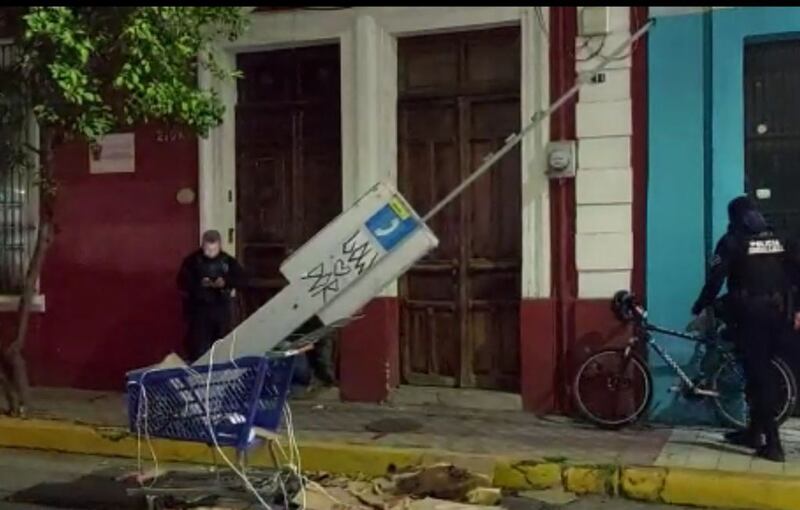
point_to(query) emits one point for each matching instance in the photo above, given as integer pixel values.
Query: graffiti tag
(356, 256)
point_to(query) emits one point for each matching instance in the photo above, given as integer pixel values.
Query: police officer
(753, 259)
(320, 358)
(208, 278)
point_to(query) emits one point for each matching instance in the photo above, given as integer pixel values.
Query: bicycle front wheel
(731, 403)
(613, 388)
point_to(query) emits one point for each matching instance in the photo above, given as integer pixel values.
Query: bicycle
(721, 377)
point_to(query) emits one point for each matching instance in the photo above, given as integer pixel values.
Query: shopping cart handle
(300, 350)
(294, 351)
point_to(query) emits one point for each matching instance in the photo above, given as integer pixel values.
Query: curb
(652, 484)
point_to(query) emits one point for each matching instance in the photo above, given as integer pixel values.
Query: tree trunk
(19, 394)
(5, 382)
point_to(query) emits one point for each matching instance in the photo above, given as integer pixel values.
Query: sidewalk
(638, 457)
(451, 429)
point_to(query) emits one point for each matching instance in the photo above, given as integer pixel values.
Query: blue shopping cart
(225, 404)
(229, 400)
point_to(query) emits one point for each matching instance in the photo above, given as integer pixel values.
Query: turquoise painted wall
(696, 164)
(675, 201)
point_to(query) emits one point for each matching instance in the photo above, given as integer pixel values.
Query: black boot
(748, 438)
(772, 450)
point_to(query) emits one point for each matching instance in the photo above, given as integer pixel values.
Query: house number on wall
(168, 135)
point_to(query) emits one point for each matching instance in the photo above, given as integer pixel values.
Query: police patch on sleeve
(716, 260)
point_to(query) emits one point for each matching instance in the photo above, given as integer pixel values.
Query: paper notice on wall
(113, 154)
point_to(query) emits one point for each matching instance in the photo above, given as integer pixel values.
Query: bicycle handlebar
(628, 309)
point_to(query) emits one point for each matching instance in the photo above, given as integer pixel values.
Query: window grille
(17, 207)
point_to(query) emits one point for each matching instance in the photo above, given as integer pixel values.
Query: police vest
(759, 265)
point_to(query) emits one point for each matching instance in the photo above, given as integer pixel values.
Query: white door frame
(367, 38)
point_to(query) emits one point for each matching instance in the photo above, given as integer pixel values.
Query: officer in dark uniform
(208, 279)
(755, 264)
(320, 358)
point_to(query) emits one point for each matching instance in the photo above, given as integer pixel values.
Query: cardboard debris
(443, 481)
(383, 485)
(439, 504)
(556, 496)
(328, 498)
(488, 496)
(367, 494)
(437, 487)
(227, 505)
(327, 480)
(141, 477)
(171, 360)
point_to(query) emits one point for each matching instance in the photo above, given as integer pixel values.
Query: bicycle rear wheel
(732, 406)
(613, 388)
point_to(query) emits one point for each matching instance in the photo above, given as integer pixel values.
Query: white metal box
(336, 272)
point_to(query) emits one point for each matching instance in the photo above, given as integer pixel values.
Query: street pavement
(20, 470)
(473, 431)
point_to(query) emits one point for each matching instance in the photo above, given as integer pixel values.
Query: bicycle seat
(622, 305)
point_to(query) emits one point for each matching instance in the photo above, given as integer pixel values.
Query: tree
(85, 72)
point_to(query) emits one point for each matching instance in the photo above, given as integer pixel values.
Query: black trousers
(207, 324)
(320, 358)
(760, 330)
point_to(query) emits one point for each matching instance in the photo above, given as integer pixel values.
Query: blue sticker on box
(391, 224)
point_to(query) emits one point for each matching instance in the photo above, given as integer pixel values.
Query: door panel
(772, 130)
(320, 160)
(494, 256)
(288, 139)
(264, 202)
(429, 162)
(459, 100)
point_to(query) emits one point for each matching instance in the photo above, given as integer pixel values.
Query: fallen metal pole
(538, 117)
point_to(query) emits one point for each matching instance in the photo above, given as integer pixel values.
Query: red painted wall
(539, 355)
(558, 334)
(563, 204)
(109, 277)
(369, 353)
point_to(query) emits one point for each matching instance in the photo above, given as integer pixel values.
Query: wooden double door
(459, 101)
(288, 161)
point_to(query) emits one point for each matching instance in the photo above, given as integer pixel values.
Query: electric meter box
(561, 159)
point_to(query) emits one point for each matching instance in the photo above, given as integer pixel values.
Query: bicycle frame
(644, 331)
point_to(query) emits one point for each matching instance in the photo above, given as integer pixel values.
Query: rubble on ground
(555, 496)
(435, 487)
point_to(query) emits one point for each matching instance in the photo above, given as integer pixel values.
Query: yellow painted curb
(654, 484)
(527, 475)
(83, 439)
(591, 479)
(643, 484)
(731, 490)
(344, 458)
(704, 488)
